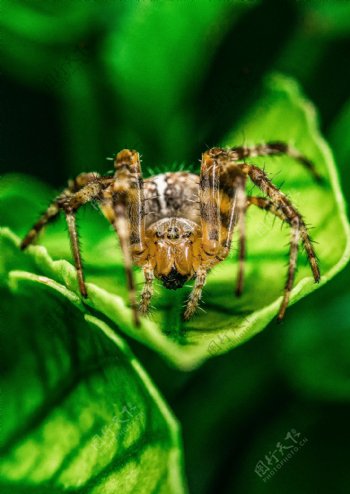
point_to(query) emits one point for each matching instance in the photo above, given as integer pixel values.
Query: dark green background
(82, 79)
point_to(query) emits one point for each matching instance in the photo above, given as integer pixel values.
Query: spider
(178, 226)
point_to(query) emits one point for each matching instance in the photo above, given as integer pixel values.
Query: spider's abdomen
(172, 195)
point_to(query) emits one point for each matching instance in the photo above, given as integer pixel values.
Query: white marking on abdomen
(161, 185)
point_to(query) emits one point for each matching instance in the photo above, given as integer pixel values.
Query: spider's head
(174, 252)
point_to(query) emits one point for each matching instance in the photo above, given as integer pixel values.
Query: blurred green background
(83, 79)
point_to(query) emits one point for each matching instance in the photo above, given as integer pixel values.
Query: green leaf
(340, 143)
(37, 46)
(78, 411)
(314, 354)
(282, 114)
(154, 86)
(330, 19)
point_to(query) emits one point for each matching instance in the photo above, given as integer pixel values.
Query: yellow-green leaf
(85, 417)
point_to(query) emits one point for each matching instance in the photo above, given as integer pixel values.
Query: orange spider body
(174, 250)
(172, 228)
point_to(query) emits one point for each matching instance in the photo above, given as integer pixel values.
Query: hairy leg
(275, 148)
(116, 213)
(54, 209)
(89, 188)
(196, 293)
(50, 214)
(297, 225)
(266, 205)
(241, 212)
(293, 258)
(147, 291)
(283, 204)
(123, 206)
(128, 191)
(209, 198)
(232, 209)
(74, 242)
(284, 209)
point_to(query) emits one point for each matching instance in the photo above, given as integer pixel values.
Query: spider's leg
(283, 204)
(115, 212)
(241, 212)
(74, 242)
(53, 210)
(284, 207)
(232, 208)
(298, 230)
(296, 223)
(124, 208)
(121, 226)
(70, 204)
(293, 257)
(81, 180)
(266, 205)
(128, 188)
(196, 293)
(223, 206)
(147, 291)
(275, 148)
(209, 198)
(50, 214)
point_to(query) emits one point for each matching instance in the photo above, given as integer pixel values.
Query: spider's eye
(173, 233)
(159, 234)
(187, 234)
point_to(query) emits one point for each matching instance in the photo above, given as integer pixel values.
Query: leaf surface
(226, 321)
(85, 417)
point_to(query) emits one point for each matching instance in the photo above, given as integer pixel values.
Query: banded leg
(70, 204)
(128, 188)
(266, 205)
(297, 225)
(147, 291)
(124, 207)
(209, 198)
(232, 212)
(53, 210)
(274, 148)
(285, 208)
(74, 242)
(241, 212)
(121, 226)
(196, 293)
(293, 258)
(85, 188)
(115, 212)
(50, 214)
